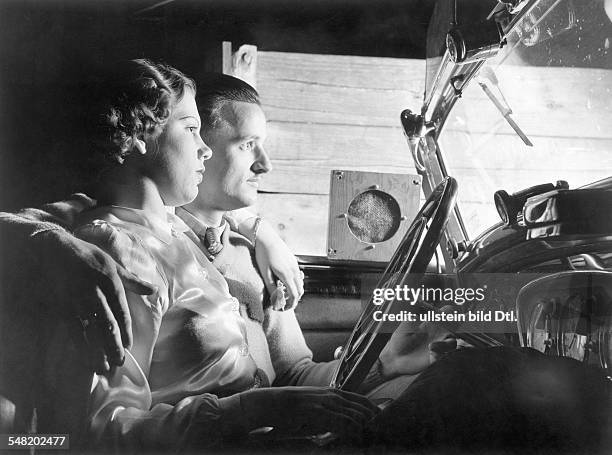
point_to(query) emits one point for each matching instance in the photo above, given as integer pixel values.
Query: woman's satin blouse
(189, 337)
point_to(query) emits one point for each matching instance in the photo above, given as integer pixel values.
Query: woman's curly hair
(134, 101)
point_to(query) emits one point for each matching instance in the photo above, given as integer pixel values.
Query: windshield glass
(550, 86)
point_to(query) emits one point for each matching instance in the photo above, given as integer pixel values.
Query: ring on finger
(87, 321)
(281, 291)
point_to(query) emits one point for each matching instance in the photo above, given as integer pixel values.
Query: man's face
(239, 159)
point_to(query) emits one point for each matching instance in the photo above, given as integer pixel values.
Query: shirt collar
(163, 229)
(195, 224)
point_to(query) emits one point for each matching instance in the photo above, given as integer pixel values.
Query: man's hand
(307, 411)
(413, 347)
(88, 287)
(274, 259)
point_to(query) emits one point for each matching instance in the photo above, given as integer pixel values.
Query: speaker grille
(373, 216)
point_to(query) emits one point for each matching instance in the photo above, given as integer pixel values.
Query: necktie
(212, 239)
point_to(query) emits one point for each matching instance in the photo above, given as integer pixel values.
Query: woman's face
(178, 153)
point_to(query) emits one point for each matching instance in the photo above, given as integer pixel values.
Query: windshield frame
(444, 88)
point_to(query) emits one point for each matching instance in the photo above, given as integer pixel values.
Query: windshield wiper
(488, 76)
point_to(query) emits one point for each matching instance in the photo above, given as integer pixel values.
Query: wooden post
(242, 63)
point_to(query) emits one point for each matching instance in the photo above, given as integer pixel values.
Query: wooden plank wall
(329, 112)
(342, 112)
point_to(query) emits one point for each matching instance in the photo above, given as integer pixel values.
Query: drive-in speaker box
(369, 213)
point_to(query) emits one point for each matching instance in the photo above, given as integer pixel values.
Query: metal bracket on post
(242, 63)
(415, 129)
(473, 42)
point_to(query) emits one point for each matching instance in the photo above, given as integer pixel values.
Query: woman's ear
(140, 146)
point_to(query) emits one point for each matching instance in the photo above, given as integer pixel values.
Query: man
(234, 127)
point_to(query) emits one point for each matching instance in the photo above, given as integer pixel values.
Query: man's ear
(140, 146)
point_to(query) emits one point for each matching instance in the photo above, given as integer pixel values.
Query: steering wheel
(411, 257)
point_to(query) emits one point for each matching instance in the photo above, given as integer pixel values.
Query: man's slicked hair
(215, 90)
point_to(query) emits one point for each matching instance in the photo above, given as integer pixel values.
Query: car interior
(478, 159)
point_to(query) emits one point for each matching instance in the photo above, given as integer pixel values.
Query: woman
(189, 338)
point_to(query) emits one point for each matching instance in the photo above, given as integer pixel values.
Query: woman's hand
(307, 411)
(274, 259)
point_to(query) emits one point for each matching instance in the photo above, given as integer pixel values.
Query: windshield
(550, 86)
